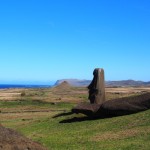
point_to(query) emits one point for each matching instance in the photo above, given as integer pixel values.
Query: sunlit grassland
(33, 115)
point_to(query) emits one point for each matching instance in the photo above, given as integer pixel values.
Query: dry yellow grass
(67, 94)
(120, 135)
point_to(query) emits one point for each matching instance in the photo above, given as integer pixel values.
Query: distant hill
(84, 83)
(74, 82)
(127, 83)
(63, 84)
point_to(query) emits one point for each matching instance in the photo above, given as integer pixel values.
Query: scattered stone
(23, 93)
(53, 103)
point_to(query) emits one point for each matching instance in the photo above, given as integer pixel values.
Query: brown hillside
(11, 140)
(63, 85)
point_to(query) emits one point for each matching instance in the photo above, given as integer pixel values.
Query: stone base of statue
(86, 108)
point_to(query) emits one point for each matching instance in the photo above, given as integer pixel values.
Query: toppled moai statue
(99, 108)
(115, 107)
(97, 87)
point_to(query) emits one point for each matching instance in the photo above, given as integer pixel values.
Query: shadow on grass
(62, 114)
(86, 118)
(75, 119)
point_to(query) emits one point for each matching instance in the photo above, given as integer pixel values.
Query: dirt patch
(9, 94)
(120, 134)
(11, 140)
(127, 90)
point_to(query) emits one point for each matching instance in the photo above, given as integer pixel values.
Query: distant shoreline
(8, 86)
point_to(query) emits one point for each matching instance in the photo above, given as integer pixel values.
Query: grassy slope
(128, 132)
(124, 133)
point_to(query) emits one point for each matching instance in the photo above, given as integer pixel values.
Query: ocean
(7, 86)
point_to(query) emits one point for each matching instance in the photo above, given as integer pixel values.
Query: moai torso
(97, 87)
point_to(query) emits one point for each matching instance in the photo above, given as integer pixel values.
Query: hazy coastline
(7, 86)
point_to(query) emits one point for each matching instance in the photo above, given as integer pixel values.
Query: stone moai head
(97, 87)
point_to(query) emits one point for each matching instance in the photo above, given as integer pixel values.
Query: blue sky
(46, 40)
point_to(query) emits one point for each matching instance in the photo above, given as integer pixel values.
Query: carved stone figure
(97, 87)
(99, 108)
(115, 107)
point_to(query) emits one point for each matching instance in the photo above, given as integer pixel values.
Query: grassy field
(36, 115)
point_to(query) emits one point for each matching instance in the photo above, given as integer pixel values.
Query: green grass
(131, 132)
(32, 102)
(92, 134)
(118, 133)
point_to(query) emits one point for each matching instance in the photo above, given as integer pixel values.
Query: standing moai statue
(97, 87)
